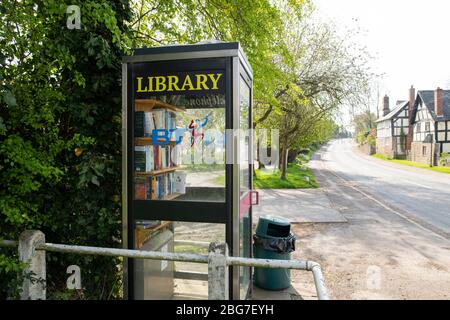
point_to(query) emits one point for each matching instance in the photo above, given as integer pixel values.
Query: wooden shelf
(172, 196)
(156, 172)
(143, 235)
(148, 105)
(145, 141)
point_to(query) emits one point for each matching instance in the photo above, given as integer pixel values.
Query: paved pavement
(298, 206)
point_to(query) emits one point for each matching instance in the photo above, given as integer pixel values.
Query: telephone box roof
(189, 51)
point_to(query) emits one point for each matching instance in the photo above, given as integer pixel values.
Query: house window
(427, 126)
(419, 127)
(424, 150)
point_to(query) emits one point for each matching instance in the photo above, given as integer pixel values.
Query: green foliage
(371, 139)
(60, 91)
(364, 123)
(60, 100)
(258, 25)
(60, 113)
(413, 164)
(10, 275)
(444, 160)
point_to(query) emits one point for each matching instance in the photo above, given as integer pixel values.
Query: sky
(410, 40)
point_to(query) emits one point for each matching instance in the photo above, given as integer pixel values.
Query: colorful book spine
(140, 189)
(149, 124)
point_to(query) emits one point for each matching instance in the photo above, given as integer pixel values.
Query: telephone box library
(187, 174)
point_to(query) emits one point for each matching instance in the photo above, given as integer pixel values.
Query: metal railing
(32, 248)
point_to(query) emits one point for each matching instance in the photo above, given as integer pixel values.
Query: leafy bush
(60, 128)
(444, 160)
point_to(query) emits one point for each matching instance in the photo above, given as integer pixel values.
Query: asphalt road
(395, 241)
(420, 195)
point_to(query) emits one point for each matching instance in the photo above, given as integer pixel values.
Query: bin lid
(272, 226)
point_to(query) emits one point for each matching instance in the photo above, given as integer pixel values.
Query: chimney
(412, 99)
(386, 105)
(438, 102)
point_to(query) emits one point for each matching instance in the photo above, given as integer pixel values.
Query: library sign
(205, 82)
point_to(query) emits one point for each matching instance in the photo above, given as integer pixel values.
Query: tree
(325, 71)
(257, 25)
(60, 100)
(60, 134)
(363, 123)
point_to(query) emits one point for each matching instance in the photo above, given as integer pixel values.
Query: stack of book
(151, 158)
(155, 187)
(155, 164)
(146, 122)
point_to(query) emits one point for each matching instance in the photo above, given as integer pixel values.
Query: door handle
(256, 193)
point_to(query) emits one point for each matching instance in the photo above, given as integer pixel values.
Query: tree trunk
(260, 164)
(284, 157)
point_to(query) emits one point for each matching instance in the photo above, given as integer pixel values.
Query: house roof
(427, 97)
(394, 112)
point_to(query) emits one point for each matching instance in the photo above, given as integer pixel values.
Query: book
(140, 189)
(139, 124)
(150, 159)
(153, 193)
(149, 124)
(140, 159)
(159, 118)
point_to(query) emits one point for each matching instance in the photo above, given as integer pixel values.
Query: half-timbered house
(431, 126)
(392, 130)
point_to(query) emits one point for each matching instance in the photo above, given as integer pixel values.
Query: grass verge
(413, 164)
(297, 177)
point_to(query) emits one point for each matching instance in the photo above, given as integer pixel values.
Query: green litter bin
(273, 240)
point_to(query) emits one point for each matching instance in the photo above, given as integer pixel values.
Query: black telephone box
(187, 160)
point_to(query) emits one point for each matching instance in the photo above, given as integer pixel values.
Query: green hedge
(60, 129)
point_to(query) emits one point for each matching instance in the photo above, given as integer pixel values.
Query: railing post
(218, 272)
(33, 287)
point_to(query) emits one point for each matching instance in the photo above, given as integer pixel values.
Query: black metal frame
(249, 82)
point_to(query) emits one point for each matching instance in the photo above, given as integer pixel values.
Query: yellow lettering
(201, 81)
(160, 84)
(187, 82)
(172, 83)
(139, 85)
(215, 81)
(150, 84)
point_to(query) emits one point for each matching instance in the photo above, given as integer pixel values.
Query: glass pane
(244, 105)
(244, 151)
(179, 148)
(156, 279)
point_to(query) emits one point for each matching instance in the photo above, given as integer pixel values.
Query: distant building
(431, 126)
(392, 129)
